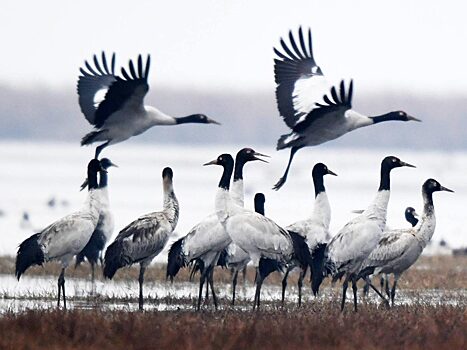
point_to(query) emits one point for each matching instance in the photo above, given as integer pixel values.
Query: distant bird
(105, 226)
(114, 104)
(52, 202)
(143, 239)
(315, 229)
(397, 250)
(347, 250)
(315, 111)
(205, 242)
(411, 216)
(25, 222)
(66, 237)
(270, 247)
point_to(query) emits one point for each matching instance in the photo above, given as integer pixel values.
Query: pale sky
(414, 46)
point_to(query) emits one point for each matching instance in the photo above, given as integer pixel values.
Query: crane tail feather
(318, 267)
(176, 259)
(29, 254)
(115, 259)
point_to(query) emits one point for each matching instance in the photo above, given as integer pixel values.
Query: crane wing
(294, 63)
(93, 82)
(391, 246)
(146, 236)
(332, 103)
(127, 91)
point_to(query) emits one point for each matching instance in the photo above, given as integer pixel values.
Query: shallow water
(40, 293)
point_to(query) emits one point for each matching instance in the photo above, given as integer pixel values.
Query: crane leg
(300, 284)
(100, 148)
(354, 289)
(211, 283)
(259, 283)
(393, 290)
(344, 291)
(207, 291)
(141, 280)
(386, 286)
(61, 288)
(59, 291)
(283, 179)
(366, 287)
(380, 295)
(234, 285)
(284, 285)
(202, 278)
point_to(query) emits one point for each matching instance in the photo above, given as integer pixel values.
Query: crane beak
(331, 173)
(446, 189)
(407, 164)
(212, 162)
(114, 165)
(84, 185)
(212, 121)
(409, 117)
(257, 154)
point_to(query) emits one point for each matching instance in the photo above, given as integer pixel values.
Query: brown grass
(319, 325)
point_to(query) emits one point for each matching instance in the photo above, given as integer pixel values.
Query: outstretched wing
(127, 91)
(332, 103)
(293, 64)
(93, 83)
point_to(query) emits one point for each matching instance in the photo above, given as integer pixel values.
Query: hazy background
(216, 57)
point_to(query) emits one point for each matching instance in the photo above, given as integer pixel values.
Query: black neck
(188, 119)
(103, 179)
(413, 221)
(226, 175)
(385, 183)
(92, 180)
(238, 172)
(383, 118)
(428, 198)
(259, 207)
(318, 182)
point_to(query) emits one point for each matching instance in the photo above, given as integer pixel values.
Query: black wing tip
(100, 67)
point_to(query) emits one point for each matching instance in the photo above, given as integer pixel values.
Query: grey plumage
(144, 238)
(64, 238)
(399, 249)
